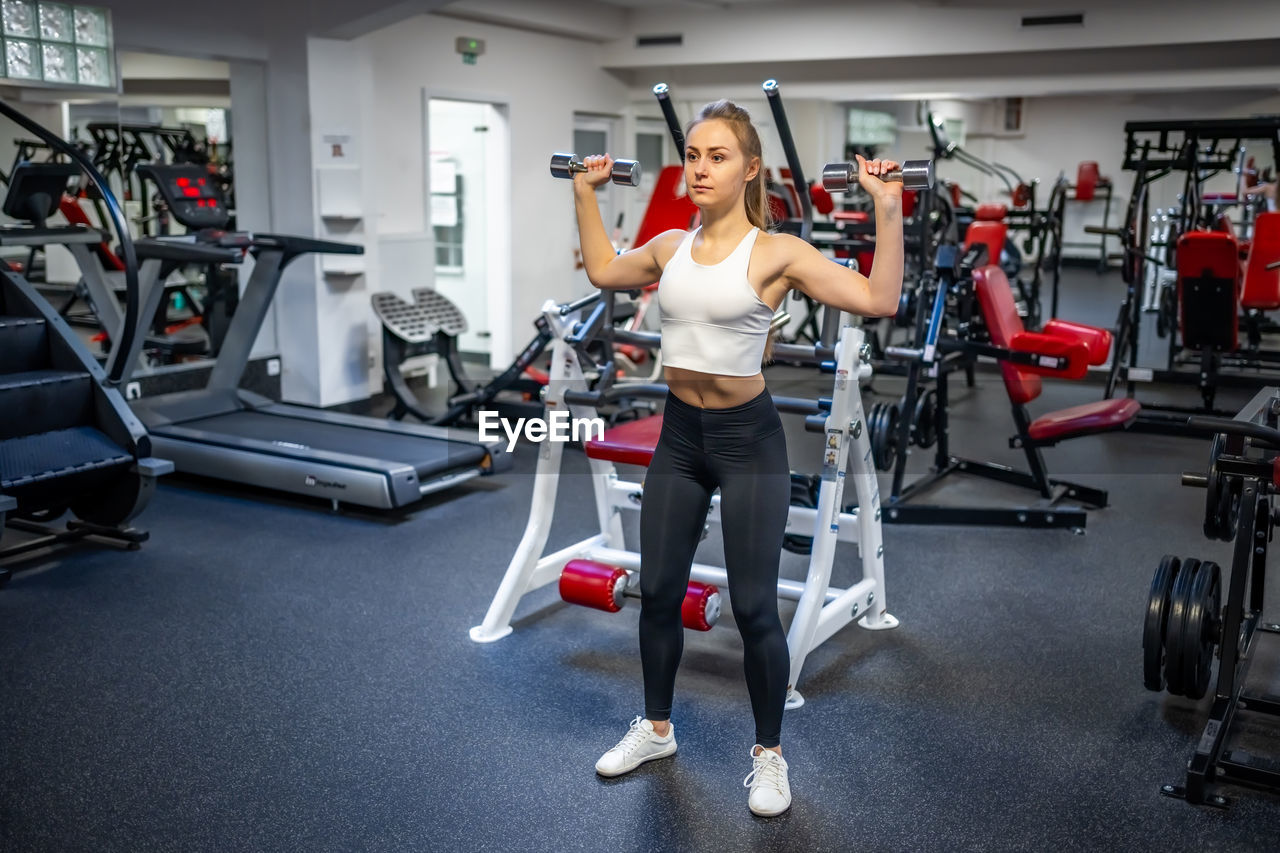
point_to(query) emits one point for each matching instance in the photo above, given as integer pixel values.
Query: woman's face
(716, 171)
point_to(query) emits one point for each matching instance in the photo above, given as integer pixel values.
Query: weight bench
(1061, 349)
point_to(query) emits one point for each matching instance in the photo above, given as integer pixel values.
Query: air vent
(1054, 20)
(659, 41)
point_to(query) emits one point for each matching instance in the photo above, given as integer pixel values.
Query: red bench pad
(631, 443)
(990, 233)
(1099, 416)
(1261, 285)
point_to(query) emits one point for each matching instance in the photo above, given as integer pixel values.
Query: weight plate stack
(1154, 626)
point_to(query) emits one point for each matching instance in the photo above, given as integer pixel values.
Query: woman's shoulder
(780, 246)
(664, 245)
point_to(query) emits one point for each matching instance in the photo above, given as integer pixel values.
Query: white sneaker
(770, 791)
(640, 744)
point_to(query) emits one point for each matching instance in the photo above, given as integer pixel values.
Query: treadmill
(228, 433)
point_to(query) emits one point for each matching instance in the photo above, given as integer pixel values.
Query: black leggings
(742, 451)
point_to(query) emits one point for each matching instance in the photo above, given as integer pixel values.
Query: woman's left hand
(868, 176)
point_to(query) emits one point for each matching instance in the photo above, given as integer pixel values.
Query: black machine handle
(663, 93)
(793, 158)
(292, 245)
(1266, 435)
(126, 253)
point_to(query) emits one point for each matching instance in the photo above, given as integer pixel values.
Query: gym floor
(267, 675)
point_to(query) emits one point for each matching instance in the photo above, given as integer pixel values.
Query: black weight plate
(1214, 491)
(925, 433)
(1153, 627)
(1179, 604)
(1200, 632)
(877, 426)
(804, 492)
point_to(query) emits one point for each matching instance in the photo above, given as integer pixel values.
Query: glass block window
(58, 43)
(56, 23)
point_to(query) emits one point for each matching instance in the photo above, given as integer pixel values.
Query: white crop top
(713, 321)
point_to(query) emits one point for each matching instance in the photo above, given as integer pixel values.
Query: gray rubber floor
(267, 675)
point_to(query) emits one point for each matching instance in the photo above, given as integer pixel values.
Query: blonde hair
(756, 196)
(757, 199)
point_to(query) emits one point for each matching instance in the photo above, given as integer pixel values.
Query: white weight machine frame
(822, 610)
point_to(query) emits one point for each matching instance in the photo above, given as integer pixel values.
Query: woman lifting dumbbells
(719, 289)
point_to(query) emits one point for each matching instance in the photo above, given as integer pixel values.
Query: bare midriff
(711, 390)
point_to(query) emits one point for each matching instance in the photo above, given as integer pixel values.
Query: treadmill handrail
(185, 252)
(293, 245)
(65, 235)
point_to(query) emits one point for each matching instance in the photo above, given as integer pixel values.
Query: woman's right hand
(599, 171)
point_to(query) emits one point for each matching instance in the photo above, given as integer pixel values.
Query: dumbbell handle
(624, 172)
(914, 175)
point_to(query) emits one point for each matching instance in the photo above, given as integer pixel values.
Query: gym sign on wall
(469, 48)
(558, 426)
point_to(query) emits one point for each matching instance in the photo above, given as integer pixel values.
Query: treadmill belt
(430, 457)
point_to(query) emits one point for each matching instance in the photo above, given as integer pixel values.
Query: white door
(464, 138)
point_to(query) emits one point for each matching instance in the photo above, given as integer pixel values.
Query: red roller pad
(592, 584)
(701, 607)
(860, 217)
(1075, 351)
(990, 212)
(1100, 416)
(631, 443)
(1097, 340)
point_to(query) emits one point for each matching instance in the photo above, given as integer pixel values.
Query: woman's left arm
(876, 295)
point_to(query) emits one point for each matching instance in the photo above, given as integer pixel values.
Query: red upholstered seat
(992, 234)
(1208, 290)
(990, 212)
(1099, 416)
(861, 217)
(1087, 180)
(631, 443)
(1261, 285)
(823, 203)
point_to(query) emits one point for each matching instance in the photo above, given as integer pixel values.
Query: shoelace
(766, 771)
(633, 738)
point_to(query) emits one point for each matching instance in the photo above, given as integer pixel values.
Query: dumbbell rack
(1186, 620)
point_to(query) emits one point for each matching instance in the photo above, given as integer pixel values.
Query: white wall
(544, 79)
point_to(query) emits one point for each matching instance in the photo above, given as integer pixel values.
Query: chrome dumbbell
(914, 175)
(625, 173)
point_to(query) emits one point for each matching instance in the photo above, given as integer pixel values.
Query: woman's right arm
(605, 268)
